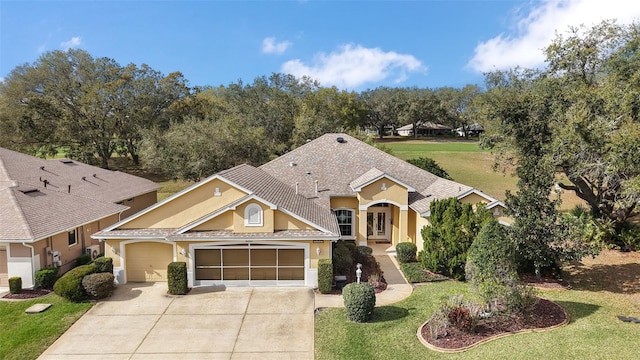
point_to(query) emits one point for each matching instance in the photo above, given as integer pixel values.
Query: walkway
(397, 287)
(140, 321)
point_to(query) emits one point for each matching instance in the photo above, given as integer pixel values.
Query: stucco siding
(223, 221)
(284, 221)
(420, 223)
(139, 202)
(473, 198)
(374, 192)
(239, 219)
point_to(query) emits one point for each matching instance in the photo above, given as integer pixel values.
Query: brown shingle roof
(335, 165)
(30, 211)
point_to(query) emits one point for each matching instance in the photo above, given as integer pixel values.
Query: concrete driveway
(140, 321)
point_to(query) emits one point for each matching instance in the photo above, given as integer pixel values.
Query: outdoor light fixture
(358, 272)
(318, 250)
(113, 250)
(183, 252)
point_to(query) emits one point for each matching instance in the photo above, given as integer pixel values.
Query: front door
(378, 223)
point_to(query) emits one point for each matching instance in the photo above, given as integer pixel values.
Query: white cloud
(535, 31)
(353, 65)
(270, 46)
(71, 43)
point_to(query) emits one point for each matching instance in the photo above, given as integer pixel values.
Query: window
(345, 222)
(73, 240)
(253, 215)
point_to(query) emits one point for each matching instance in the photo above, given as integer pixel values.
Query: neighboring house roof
(336, 166)
(472, 127)
(30, 211)
(425, 125)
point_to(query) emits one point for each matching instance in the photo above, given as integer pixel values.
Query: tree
(384, 108)
(458, 106)
(419, 106)
(430, 165)
(453, 227)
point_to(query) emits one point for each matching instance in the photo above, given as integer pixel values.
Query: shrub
(69, 285)
(342, 259)
(362, 254)
(99, 285)
(83, 259)
(46, 277)
(415, 273)
(430, 165)
(325, 275)
(104, 265)
(177, 278)
(359, 301)
(460, 318)
(15, 285)
(406, 252)
(521, 298)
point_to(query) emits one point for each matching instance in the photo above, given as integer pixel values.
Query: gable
(188, 206)
(384, 189)
(223, 221)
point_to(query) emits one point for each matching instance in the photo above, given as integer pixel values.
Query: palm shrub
(406, 252)
(15, 285)
(99, 285)
(177, 278)
(325, 275)
(69, 285)
(46, 277)
(359, 301)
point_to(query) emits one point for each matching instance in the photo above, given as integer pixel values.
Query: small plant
(460, 318)
(99, 285)
(83, 259)
(104, 265)
(15, 285)
(521, 298)
(46, 277)
(325, 275)
(415, 273)
(177, 278)
(406, 252)
(359, 301)
(69, 285)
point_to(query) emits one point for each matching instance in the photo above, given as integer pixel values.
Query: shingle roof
(336, 165)
(30, 211)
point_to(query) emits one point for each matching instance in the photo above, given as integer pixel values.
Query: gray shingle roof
(335, 165)
(30, 211)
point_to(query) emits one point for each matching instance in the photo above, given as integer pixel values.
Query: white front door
(378, 223)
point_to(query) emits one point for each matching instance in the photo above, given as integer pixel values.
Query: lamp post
(358, 272)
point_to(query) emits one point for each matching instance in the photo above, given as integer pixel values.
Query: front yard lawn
(594, 332)
(26, 336)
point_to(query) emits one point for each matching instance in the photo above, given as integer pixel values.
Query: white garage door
(250, 264)
(148, 261)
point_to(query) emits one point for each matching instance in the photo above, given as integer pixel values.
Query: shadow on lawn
(388, 313)
(615, 278)
(577, 310)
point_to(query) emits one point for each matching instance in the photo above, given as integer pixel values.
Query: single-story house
(271, 224)
(424, 129)
(49, 209)
(472, 130)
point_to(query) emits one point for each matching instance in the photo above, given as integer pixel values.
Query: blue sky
(354, 45)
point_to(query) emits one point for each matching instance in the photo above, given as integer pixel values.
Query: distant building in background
(424, 129)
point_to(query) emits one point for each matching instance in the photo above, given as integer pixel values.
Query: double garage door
(249, 263)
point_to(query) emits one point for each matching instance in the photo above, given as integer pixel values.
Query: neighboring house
(270, 225)
(424, 129)
(49, 209)
(472, 130)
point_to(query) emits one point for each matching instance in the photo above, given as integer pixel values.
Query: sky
(353, 45)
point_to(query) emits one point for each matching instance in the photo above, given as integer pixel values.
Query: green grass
(593, 332)
(26, 336)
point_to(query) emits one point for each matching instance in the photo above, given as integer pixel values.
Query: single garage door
(250, 263)
(4, 278)
(148, 261)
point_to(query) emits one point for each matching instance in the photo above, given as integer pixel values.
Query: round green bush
(325, 275)
(104, 265)
(406, 252)
(359, 301)
(46, 277)
(99, 285)
(69, 285)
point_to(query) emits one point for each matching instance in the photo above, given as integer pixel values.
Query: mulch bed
(545, 282)
(546, 314)
(378, 287)
(28, 294)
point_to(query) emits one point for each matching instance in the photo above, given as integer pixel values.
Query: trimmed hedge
(15, 285)
(83, 259)
(342, 258)
(104, 265)
(99, 285)
(406, 252)
(46, 277)
(325, 275)
(69, 285)
(177, 278)
(359, 301)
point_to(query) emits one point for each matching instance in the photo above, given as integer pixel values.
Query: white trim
(353, 222)
(477, 192)
(382, 201)
(249, 238)
(174, 196)
(383, 175)
(247, 215)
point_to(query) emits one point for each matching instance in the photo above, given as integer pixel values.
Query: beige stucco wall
(473, 198)
(373, 192)
(223, 221)
(284, 221)
(139, 202)
(420, 223)
(183, 209)
(411, 225)
(267, 219)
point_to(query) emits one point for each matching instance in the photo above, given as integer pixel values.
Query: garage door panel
(263, 273)
(263, 257)
(148, 261)
(291, 257)
(235, 257)
(208, 257)
(290, 274)
(235, 273)
(208, 274)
